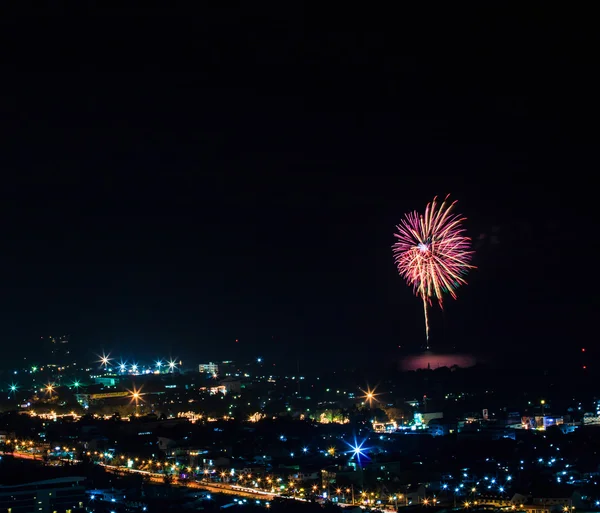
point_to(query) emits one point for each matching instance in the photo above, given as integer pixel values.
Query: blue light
(305, 449)
(357, 449)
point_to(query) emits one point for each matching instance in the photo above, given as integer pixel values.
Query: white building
(209, 368)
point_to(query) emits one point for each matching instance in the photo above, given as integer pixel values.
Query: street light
(13, 388)
(136, 397)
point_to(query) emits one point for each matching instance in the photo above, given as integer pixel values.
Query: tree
(394, 414)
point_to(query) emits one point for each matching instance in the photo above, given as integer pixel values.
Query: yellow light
(369, 395)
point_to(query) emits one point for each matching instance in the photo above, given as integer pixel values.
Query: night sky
(171, 186)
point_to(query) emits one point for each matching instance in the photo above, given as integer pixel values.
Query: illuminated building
(86, 399)
(107, 382)
(208, 368)
(387, 427)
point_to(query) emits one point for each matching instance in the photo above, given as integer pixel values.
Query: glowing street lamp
(104, 360)
(136, 396)
(357, 450)
(158, 364)
(122, 366)
(172, 365)
(76, 385)
(134, 368)
(49, 388)
(13, 388)
(369, 395)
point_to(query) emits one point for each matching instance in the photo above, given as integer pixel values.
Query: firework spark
(432, 253)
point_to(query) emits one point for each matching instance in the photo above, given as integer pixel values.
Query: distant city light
(369, 395)
(104, 359)
(357, 449)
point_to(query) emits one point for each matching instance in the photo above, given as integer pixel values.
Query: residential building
(61, 495)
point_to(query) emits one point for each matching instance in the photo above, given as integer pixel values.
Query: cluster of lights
(133, 368)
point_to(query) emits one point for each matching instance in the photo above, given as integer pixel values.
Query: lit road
(228, 489)
(23, 455)
(210, 487)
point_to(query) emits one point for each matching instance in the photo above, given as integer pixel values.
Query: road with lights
(210, 487)
(156, 478)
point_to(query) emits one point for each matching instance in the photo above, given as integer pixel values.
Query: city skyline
(276, 259)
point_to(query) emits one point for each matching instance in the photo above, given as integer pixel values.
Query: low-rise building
(53, 495)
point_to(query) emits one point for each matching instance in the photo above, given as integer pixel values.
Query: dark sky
(172, 185)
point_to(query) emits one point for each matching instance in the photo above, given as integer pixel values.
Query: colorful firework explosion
(432, 253)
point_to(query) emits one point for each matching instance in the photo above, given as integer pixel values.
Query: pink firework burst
(432, 253)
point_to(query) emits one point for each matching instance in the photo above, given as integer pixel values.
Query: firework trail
(432, 253)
